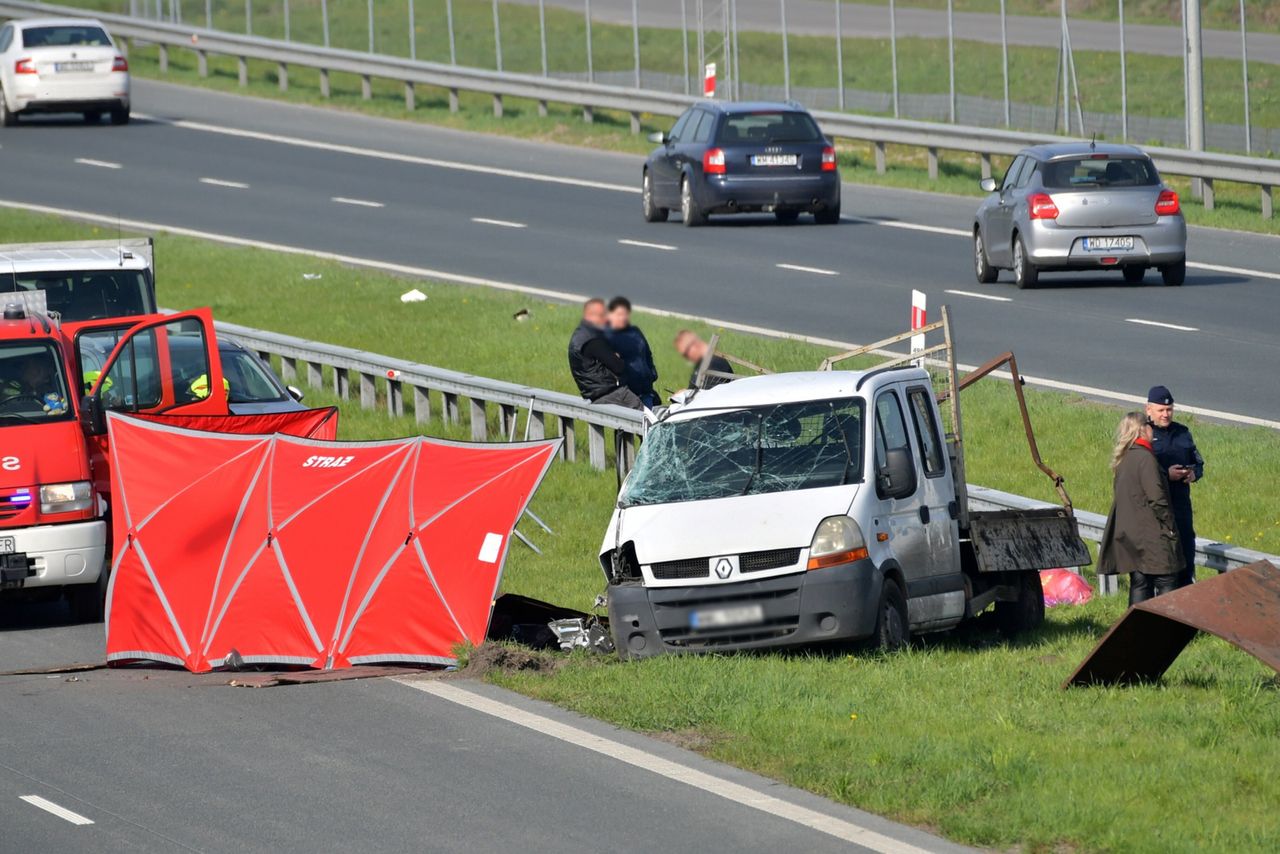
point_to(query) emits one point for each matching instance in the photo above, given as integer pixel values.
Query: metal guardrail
(376, 376)
(879, 131)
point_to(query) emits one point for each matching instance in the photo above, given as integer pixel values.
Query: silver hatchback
(1079, 206)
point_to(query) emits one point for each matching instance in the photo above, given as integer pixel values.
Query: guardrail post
(933, 164)
(409, 100)
(282, 73)
(588, 115)
(1206, 186)
(497, 106)
(479, 421)
(315, 374)
(1108, 585)
(452, 414)
(508, 416)
(324, 83)
(341, 383)
(202, 62)
(368, 391)
(1266, 201)
(542, 109)
(421, 405)
(569, 447)
(164, 58)
(242, 66)
(395, 398)
(625, 451)
(595, 446)
(453, 100)
(124, 46)
(880, 166)
(635, 123)
(537, 428)
(986, 165)
(288, 368)
(366, 87)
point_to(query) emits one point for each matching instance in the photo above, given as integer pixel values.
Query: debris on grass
(414, 295)
(490, 658)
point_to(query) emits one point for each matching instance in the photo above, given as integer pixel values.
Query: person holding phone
(1176, 451)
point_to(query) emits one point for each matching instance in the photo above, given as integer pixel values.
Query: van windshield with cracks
(754, 451)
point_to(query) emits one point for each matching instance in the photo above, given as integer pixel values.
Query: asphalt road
(817, 18)
(289, 175)
(161, 760)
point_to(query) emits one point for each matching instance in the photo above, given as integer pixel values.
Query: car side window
(1028, 169)
(703, 133)
(1011, 176)
(678, 129)
(891, 431)
(935, 464)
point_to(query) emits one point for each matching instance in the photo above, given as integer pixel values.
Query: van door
(943, 599)
(900, 513)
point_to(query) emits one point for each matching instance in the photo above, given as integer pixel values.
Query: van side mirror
(988, 185)
(897, 478)
(93, 419)
(659, 138)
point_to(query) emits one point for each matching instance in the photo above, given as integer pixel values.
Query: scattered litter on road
(414, 295)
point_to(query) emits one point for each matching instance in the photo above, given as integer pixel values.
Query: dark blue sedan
(742, 158)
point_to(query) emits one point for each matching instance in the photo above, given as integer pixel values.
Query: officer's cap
(1160, 395)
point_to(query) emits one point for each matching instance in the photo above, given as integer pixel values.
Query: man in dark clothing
(1176, 452)
(629, 343)
(693, 349)
(596, 368)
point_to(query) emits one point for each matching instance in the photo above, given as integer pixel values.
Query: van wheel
(652, 213)
(892, 630)
(1174, 274)
(88, 601)
(1027, 611)
(1024, 272)
(982, 269)
(689, 210)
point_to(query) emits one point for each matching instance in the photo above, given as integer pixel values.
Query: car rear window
(65, 37)
(1097, 171)
(769, 128)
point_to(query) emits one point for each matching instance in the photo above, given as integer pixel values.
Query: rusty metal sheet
(1016, 540)
(1241, 606)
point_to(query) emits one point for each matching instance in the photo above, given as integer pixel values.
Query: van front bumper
(836, 603)
(56, 555)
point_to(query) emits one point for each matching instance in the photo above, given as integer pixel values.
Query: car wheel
(652, 213)
(982, 268)
(829, 215)
(8, 118)
(786, 217)
(689, 210)
(1133, 273)
(1027, 611)
(120, 116)
(1174, 274)
(892, 629)
(1024, 272)
(92, 117)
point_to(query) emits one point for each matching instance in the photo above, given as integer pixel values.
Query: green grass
(867, 66)
(964, 734)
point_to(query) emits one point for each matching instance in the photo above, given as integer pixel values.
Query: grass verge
(964, 734)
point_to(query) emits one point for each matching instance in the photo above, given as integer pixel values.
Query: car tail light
(713, 161)
(828, 159)
(1167, 204)
(1041, 206)
(120, 64)
(24, 66)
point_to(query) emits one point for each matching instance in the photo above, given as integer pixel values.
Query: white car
(61, 65)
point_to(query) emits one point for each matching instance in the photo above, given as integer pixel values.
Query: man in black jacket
(1177, 454)
(596, 368)
(629, 342)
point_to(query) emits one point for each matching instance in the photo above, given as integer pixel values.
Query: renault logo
(724, 568)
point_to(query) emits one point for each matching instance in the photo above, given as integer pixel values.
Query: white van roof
(133, 254)
(795, 387)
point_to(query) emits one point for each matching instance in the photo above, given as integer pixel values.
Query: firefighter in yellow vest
(200, 387)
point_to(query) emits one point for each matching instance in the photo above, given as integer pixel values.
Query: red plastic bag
(1064, 587)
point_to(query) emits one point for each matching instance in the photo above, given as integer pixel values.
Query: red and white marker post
(919, 318)
(709, 81)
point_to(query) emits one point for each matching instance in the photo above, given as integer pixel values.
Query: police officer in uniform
(1176, 452)
(596, 368)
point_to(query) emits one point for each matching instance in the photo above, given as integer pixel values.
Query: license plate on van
(8, 545)
(774, 160)
(723, 618)
(1108, 244)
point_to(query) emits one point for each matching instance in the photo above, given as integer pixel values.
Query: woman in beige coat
(1141, 537)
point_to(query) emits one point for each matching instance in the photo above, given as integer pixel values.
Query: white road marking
(799, 269)
(1239, 271)
(101, 164)
(1174, 326)
(501, 223)
(401, 158)
(359, 203)
(566, 296)
(736, 793)
(991, 297)
(218, 182)
(54, 809)
(910, 226)
(665, 247)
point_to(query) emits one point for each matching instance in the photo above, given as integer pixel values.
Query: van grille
(674, 570)
(700, 567)
(775, 559)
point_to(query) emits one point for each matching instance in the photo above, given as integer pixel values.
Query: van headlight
(838, 540)
(66, 497)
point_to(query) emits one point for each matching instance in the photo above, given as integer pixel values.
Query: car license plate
(7, 545)
(65, 67)
(774, 160)
(1108, 244)
(720, 618)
